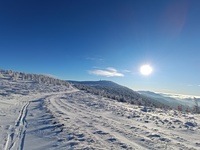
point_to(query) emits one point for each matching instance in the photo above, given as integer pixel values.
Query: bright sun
(146, 70)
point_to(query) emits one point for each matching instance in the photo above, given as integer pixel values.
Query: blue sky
(105, 39)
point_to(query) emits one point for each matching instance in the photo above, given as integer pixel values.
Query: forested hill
(99, 83)
(115, 91)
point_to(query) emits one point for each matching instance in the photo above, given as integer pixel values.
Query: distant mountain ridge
(95, 83)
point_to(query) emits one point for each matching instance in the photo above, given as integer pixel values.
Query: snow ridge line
(15, 140)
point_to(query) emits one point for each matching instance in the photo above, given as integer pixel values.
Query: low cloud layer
(108, 72)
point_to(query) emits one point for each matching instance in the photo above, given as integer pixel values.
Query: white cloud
(179, 96)
(111, 69)
(108, 72)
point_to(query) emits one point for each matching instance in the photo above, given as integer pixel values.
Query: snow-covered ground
(50, 117)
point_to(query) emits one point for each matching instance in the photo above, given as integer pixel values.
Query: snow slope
(61, 117)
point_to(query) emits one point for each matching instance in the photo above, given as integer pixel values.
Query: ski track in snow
(15, 140)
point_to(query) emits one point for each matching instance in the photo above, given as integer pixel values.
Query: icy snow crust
(40, 116)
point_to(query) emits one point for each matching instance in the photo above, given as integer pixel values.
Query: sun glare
(146, 70)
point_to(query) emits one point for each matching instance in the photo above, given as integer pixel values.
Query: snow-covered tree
(1, 75)
(196, 106)
(37, 78)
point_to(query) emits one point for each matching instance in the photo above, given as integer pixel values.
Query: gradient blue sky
(94, 39)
